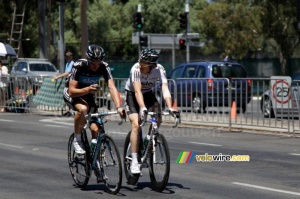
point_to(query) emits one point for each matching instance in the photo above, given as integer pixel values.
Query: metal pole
(139, 10)
(187, 31)
(173, 51)
(61, 46)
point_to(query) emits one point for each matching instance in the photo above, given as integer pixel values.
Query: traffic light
(183, 20)
(143, 41)
(137, 21)
(181, 44)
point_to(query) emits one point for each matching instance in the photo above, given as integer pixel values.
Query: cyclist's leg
(153, 105)
(93, 109)
(132, 111)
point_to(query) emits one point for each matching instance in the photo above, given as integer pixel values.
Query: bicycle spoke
(160, 164)
(111, 165)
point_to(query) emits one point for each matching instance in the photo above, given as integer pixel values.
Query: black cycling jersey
(80, 72)
(85, 77)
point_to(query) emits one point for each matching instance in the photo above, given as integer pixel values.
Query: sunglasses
(95, 61)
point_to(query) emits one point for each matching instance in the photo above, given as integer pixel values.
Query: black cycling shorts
(89, 99)
(133, 107)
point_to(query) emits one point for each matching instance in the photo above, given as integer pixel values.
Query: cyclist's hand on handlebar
(121, 112)
(143, 112)
(174, 113)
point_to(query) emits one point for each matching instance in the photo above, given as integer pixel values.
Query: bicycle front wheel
(159, 164)
(79, 166)
(110, 161)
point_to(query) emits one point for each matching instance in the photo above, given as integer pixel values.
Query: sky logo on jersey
(185, 157)
(86, 80)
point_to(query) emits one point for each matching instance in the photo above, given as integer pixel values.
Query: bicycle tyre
(131, 178)
(159, 176)
(111, 164)
(78, 165)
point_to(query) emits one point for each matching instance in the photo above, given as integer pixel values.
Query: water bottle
(93, 144)
(146, 141)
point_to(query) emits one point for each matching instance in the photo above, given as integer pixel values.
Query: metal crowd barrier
(228, 111)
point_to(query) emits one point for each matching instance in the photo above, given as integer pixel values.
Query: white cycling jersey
(147, 80)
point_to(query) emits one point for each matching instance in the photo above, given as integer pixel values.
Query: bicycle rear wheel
(111, 164)
(131, 178)
(79, 166)
(159, 164)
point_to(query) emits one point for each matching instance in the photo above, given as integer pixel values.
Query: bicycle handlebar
(103, 114)
(152, 114)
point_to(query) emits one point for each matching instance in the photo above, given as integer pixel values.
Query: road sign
(196, 43)
(189, 35)
(281, 94)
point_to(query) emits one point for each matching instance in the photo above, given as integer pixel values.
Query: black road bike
(104, 159)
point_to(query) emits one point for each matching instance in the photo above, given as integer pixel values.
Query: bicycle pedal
(100, 179)
(145, 165)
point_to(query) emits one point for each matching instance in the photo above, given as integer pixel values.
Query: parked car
(203, 84)
(27, 72)
(29, 67)
(268, 109)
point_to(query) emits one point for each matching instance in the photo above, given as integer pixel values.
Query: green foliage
(239, 28)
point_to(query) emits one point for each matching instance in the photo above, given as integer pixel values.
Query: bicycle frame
(153, 134)
(92, 157)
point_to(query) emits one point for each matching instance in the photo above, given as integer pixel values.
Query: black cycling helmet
(149, 55)
(95, 52)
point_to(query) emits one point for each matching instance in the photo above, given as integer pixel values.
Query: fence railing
(244, 103)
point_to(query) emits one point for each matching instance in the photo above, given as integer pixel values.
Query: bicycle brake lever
(176, 122)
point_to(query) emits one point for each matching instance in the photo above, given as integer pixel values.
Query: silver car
(27, 72)
(268, 109)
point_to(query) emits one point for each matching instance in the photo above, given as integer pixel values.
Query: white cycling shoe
(79, 149)
(135, 169)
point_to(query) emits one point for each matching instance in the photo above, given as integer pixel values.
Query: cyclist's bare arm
(167, 95)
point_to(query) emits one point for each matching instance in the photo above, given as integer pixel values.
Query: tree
(231, 29)
(278, 28)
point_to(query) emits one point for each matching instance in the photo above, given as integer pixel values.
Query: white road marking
(266, 188)
(295, 154)
(56, 126)
(208, 144)
(14, 146)
(116, 132)
(7, 120)
(53, 120)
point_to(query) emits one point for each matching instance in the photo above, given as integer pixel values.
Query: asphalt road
(33, 153)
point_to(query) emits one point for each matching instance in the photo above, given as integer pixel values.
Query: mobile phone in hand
(98, 87)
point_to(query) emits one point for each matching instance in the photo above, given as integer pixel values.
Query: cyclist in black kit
(140, 98)
(82, 84)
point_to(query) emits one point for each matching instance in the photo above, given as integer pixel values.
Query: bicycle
(153, 154)
(103, 159)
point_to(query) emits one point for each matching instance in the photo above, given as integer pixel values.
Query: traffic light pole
(187, 31)
(61, 38)
(139, 10)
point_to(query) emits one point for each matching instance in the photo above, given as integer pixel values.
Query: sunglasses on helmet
(153, 59)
